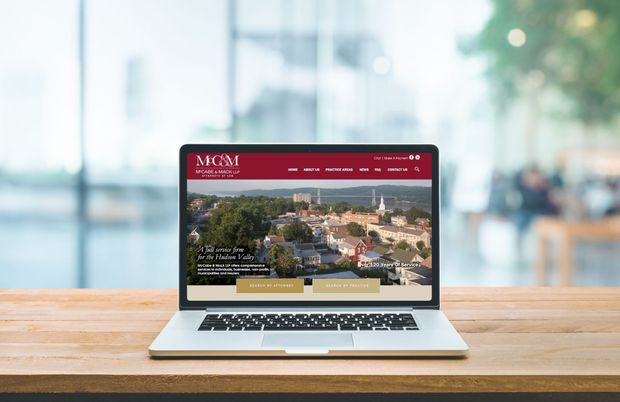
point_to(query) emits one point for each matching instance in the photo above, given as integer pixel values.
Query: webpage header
(356, 166)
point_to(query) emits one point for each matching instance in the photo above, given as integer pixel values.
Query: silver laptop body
(223, 317)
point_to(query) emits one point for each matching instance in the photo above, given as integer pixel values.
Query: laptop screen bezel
(185, 304)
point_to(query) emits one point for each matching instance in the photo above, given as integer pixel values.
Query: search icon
(417, 169)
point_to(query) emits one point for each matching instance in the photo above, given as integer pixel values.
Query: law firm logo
(214, 166)
(219, 160)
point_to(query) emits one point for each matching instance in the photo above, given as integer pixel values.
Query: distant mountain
(396, 196)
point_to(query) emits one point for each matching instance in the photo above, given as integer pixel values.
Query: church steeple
(382, 204)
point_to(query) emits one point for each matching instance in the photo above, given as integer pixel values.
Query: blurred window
(155, 81)
(39, 141)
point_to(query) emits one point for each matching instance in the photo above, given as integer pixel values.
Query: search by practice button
(346, 285)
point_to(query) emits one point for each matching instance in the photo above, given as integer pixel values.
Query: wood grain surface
(521, 339)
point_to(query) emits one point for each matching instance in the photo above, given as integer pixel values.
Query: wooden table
(522, 340)
(566, 233)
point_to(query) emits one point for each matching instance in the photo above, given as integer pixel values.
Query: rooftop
(354, 240)
(306, 246)
(287, 244)
(276, 238)
(361, 213)
(310, 253)
(372, 254)
(403, 255)
(381, 249)
(422, 271)
(397, 229)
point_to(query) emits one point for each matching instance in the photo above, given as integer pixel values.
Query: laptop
(308, 250)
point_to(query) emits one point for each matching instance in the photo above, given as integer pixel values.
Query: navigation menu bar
(269, 166)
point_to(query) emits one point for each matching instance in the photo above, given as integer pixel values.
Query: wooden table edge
(122, 383)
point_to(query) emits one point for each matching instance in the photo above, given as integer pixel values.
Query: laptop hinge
(367, 308)
(308, 308)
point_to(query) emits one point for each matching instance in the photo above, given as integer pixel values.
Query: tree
(281, 258)
(341, 207)
(300, 205)
(274, 252)
(192, 270)
(426, 252)
(420, 245)
(386, 218)
(297, 231)
(347, 265)
(569, 46)
(360, 208)
(414, 213)
(230, 226)
(355, 229)
(285, 266)
(403, 245)
(376, 238)
(208, 199)
(390, 240)
(190, 214)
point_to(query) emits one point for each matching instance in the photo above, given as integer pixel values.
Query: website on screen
(309, 226)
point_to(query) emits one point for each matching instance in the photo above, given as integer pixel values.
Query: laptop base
(181, 338)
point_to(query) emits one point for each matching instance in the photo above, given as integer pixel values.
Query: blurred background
(521, 96)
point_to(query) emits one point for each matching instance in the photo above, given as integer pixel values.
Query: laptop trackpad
(307, 340)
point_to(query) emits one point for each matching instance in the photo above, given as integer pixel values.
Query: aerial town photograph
(337, 230)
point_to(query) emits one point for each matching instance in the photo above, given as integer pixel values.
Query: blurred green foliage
(570, 45)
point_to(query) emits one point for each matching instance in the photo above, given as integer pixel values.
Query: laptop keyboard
(309, 322)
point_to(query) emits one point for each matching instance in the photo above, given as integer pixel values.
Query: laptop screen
(309, 226)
